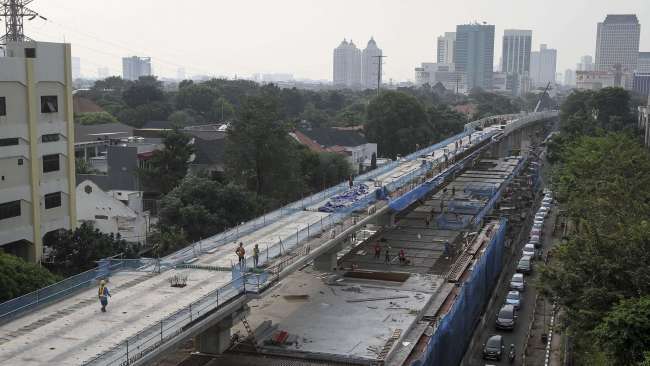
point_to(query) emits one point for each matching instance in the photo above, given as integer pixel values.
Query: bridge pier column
(328, 261)
(216, 339)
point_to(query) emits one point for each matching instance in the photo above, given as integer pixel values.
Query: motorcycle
(512, 354)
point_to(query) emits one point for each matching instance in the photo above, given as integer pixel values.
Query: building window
(9, 141)
(20, 161)
(101, 217)
(52, 200)
(9, 210)
(30, 52)
(51, 137)
(50, 163)
(49, 104)
(3, 106)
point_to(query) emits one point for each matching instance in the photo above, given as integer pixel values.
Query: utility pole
(379, 62)
(13, 12)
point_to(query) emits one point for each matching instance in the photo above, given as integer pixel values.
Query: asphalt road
(517, 336)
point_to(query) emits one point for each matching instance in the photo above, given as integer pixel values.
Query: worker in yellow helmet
(104, 294)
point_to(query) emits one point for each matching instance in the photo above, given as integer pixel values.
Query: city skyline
(303, 46)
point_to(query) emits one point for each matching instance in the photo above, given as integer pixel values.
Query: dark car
(525, 265)
(493, 349)
(506, 317)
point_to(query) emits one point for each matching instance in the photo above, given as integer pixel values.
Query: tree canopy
(167, 167)
(600, 274)
(18, 277)
(203, 207)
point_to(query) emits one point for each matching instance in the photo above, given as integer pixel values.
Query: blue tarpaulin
(449, 341)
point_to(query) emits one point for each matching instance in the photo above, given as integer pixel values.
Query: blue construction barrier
(449, 341)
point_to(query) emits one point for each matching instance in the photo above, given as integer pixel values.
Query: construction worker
(256, 255)
(402, 256)
(377, 251)
(103, 294)
(387, 257)
(453, 191)
(241, 252)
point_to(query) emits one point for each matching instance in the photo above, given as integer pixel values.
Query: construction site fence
(147, 340)
(449, 341)
(34, 300)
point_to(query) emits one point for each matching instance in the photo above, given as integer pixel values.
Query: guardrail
(144, 342)
(51, 293)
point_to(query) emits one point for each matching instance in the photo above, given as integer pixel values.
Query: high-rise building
(569, 77)
(446, 45)
(76, 68)
(586, 64)
(474, 54)
(515, 57)
(347, 65)
(644, 63)
(516, 51)
(370, 65)
(37, 159)
(543, 65)
(617, 43)
(133, 67)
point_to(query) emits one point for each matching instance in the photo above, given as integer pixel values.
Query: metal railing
(51, 293)
(144, 342)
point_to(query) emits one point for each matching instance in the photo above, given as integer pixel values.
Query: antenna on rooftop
(14, 12)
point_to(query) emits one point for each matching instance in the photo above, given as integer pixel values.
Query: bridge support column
(216, 339)
(328, 261)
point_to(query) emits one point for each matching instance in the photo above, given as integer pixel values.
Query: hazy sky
(241, 37)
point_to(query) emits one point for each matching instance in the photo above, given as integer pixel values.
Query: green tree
(445, 121)
(167, 167)
(202, 207)
(95, 118)
(167, 239)
(322, 170)
(18, 277)
(199, 98)
(182, 118)
(259, 152)
(76, 251)
(625, 331)
(145, 90)
(397, 122)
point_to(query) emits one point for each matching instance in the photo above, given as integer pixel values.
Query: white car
(529, 250)
(539, 225)
(517, 282)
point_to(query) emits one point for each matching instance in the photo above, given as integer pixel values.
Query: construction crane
(541, 97)
(14, 12)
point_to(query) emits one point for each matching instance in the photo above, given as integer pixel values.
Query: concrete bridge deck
(73, 331)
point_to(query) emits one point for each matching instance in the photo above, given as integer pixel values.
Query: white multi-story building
(617, 43)
(133, 67)
(37, 166)
(432, 73)
(446, 46)
(569, 77)
(543, 65)
(347, 65)
(370, 65)
(586, 64)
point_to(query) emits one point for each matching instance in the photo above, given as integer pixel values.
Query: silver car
(514, 298)
(517, 282)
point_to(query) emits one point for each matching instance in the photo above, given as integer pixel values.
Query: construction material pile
(345, 199)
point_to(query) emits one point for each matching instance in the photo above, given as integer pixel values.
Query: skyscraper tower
(370, 65)
(347, 65)
(617, 43)
(474, 54)
(515, 59)
(446, 45)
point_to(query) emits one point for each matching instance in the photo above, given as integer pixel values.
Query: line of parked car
(494, 348)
